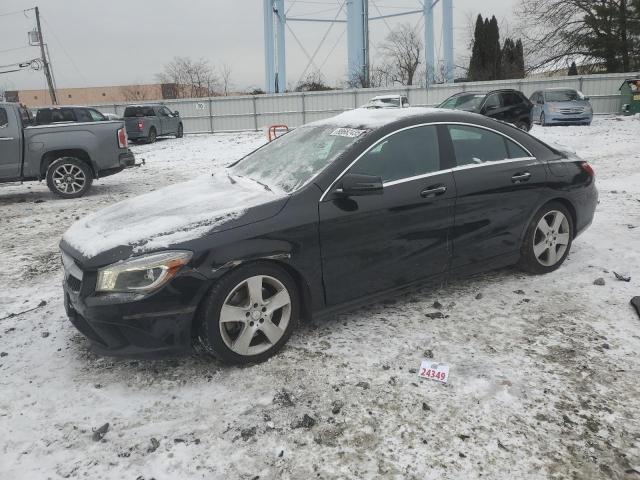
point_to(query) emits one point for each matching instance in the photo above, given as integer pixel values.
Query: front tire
(548, 239)
(180, 132)
(69, 177)
(542, 120)
(522, 125)
(249, 314)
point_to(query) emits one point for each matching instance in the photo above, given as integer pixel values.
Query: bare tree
(191, 78)
(225, 77)
(134, 93)
(402, 54)
(606, 33)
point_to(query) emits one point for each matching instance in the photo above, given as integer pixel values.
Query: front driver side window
(405, 154)
(474, 145)
(493, 101)
(4, 120)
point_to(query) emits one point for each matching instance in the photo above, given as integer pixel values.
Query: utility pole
(47, 71)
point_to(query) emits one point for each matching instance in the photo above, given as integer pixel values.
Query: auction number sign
(434, 371)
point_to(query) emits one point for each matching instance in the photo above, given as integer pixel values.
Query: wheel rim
(255, 315)
(551, 238)
(69, 178)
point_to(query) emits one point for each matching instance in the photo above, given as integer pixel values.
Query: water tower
(357, 20)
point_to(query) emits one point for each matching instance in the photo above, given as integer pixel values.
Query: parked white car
(388, 101)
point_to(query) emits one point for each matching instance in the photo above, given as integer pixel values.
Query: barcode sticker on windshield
(347, 132)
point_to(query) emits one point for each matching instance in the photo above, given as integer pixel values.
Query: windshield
(292, 160)
(469, 102)
(563, 95)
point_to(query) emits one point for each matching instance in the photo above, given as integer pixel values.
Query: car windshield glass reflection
(564, 96)
(470, 102)
(289, 162)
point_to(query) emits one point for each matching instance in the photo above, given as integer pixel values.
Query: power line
(15, 49)
(24, 12)
(64, 50)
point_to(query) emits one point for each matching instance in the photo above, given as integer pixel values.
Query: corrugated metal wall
(219, 114)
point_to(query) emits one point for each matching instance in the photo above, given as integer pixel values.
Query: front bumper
(134, 326)
(127, 159)
(568, 119)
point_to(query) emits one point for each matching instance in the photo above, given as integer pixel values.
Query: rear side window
(83, 115)
(474, 145)
(405, 154)
(52, 115)
(4, 119)
(511, 98)
(96, 116)
(139, 112)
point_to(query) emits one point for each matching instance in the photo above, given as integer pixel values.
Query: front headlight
(553, 109)
(142, 274)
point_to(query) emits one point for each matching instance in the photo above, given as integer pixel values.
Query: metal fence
(255, 112)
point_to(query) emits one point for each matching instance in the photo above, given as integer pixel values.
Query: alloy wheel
(551, 238)
(255, 315)
(69, 178)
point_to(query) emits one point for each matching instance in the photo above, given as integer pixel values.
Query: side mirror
(356, 185)
(586, 98)
(176, 113)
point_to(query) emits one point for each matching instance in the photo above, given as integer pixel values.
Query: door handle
(521, 177)
(433, 191)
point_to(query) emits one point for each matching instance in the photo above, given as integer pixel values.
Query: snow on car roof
(372, 118)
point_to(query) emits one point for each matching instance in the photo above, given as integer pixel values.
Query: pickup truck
(69, 156)
(148, 122)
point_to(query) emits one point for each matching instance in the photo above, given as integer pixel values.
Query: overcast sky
(118, 42)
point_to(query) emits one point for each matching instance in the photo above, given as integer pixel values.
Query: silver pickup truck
(69, 156)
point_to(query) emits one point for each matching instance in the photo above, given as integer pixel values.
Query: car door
(493, 107)
(167, 120)
(498, 185)
(374, 243)
(10, 153)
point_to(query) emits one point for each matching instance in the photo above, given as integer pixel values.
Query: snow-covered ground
(544, 379)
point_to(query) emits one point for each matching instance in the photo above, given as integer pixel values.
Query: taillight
(588, 168)
(122, 138)
(140, 125)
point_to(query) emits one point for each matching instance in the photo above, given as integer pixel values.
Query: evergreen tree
(477, 64)
(494, 61)
(573, 69)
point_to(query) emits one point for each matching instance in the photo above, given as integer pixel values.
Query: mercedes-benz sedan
(329, 216)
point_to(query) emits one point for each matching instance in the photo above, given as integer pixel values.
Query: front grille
(571, 111)
(74, 283)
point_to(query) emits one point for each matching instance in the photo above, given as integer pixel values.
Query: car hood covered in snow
(171, 215)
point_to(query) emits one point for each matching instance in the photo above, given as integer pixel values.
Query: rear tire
(249, 313)
(153, 135)
(548, 239)
(522, 125)
(69, 177)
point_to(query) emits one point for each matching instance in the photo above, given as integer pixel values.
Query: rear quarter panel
(98, 139)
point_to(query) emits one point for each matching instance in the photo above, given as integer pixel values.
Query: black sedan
(511, 106)
(329, 216)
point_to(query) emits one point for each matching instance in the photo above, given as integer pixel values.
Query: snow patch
(372, 118)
